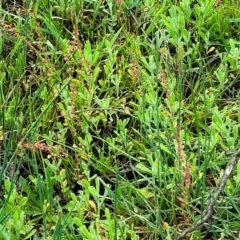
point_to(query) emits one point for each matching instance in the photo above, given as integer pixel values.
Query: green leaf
(93, 191)
(143, 168)
(165, 149)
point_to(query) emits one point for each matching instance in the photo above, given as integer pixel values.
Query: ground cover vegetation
(118, 118)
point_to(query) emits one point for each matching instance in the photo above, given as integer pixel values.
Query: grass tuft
(118, 118)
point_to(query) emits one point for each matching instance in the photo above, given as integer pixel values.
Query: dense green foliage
(117, 118)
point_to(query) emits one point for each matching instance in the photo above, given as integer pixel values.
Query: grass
(117, 118)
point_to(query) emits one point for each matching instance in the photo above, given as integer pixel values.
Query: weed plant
(117, 118)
